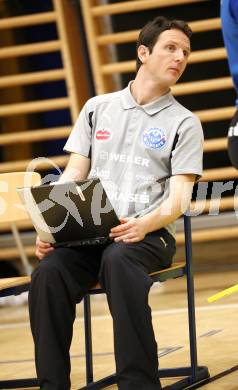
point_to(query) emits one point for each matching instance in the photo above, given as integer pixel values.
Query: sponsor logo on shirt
(102, 173)
(124, 158)
(103, 135)
(154, 138)
(128, 197)
(233, 131)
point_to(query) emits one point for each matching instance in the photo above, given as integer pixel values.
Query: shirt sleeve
(187, 157)
(234, 9)
(80, 138)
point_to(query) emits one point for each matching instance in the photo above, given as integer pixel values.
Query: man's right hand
(42, 248)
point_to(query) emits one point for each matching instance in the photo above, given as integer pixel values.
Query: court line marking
(211, 333)
(214, 378)
(154, 314)
(163, 352)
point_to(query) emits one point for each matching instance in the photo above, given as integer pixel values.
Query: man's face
(168, 59)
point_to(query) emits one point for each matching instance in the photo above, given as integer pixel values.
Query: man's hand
(131, 230)
(134, 229)
(42, 248)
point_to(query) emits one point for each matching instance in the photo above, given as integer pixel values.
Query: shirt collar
(152, 108)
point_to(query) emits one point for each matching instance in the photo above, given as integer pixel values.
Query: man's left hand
(130, 230)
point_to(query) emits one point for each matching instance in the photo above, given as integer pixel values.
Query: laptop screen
(70, 211)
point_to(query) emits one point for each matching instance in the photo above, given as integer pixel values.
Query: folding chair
(11, 213)
(11, 207)
(194, 375)
(16, 286)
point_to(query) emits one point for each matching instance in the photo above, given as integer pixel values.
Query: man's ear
(143, 53)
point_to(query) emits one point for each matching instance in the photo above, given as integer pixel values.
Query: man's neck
(146, 91)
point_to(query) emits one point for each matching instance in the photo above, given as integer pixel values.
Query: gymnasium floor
(217, 333)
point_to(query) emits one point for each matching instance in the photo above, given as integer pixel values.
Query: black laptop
(70, 214)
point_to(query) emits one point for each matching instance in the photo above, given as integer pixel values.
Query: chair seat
(14, 282)
(176, 270)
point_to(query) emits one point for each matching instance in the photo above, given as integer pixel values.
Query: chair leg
(23, 256)
(199, 375)
(88, 339)
(19, 383)
(106, 381)
(24, 382)
(190, 295)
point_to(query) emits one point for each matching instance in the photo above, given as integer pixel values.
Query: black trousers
(63, 278)
(233, 140)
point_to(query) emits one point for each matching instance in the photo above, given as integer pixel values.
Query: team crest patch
(103, 135)
(154, 138)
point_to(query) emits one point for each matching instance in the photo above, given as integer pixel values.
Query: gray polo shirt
(135, 149)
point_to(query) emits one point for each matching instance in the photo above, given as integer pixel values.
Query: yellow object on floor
(227, 291)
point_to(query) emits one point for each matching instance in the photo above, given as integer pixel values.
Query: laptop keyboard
(89, 241)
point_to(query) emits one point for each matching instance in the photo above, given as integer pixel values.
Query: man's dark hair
(151, 31)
